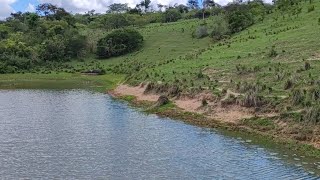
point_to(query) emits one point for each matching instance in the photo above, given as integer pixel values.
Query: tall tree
(118, 8)
(160, 7)
(145, 4)
(193, 4)
(206, 4)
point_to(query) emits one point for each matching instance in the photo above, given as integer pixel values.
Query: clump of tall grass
(250, 99)
(312, 115)
(307, 66)
(273, 52)
(297, 96)
(288, 84)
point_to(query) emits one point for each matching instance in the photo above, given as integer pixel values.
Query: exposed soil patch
(138, 92)
(213, 109)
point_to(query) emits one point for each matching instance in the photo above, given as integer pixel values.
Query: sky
(79, 6)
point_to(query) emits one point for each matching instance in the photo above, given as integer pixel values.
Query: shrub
(53, 49)
(239, 17)
(288, 84)
(172, 15)
(204, 102)
(307, 66)
(251, 99)
(312, 115)
(314, 94)
(297, 96)
(220, 29)
(201, 32)
(119, 42)
(311, 8)
(273, 52)
(3, 34)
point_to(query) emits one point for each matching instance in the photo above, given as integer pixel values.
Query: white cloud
(6, 8)
(80, 6)
(30, 8)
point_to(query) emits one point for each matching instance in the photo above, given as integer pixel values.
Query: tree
(182, 8)
(51, 12)
(119, 42)
(257, 9)
(206, 4)
(239, 17)
(54, 49)
(114, 21)
(220, 28)
(193, 4)
(118, 8)
(32, 19)
(145, 4)
(46, 9)
(160, 7)
(172, 15)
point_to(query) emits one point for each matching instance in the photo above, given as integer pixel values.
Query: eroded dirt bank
(214, 112)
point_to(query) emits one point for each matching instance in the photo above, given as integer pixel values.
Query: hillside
(271, 69)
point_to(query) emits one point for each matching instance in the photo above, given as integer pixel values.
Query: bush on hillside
(311, 8)
(119, 42)
(220, 29)
(239, 17)
(201, 32)
(172, 15)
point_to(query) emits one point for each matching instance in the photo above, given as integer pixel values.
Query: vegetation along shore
(247, 66)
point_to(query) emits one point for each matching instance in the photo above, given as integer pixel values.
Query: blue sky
(79, 6)
(22, 5)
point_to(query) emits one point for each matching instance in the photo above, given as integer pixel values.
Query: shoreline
(184, 110)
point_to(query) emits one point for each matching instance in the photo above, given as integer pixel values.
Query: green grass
(259, 123)
(59, 81)
(128, 98)
(166, 107)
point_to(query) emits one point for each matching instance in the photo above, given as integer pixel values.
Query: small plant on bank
(311, 8)
(288, 84)
(273, 52)
(307, 66)
(297, 96)
(251, 99)
(312, 115)
(204, 102)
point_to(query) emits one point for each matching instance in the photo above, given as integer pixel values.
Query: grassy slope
(163, 42)
(295, 39)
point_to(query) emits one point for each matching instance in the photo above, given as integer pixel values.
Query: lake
(77, 134)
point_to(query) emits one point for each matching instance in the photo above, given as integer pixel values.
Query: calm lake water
(78, 134)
